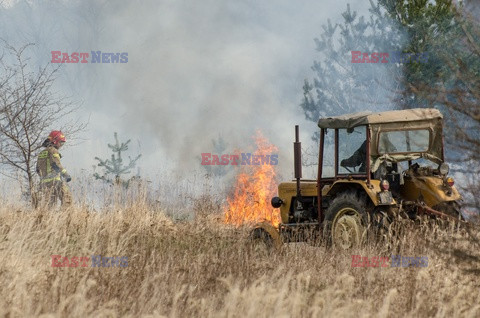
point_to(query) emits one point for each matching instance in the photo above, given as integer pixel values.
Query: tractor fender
(359, 185)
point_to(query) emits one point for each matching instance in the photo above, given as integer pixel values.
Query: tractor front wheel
(265, 236)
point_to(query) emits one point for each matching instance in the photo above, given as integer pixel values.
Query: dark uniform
(357, 159)
(52, 187)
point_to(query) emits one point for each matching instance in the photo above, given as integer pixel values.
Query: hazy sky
(195, 70)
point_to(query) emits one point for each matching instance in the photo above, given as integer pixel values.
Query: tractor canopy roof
(397, 135)
(388, 117)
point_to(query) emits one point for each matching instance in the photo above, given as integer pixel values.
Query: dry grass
(202, 268)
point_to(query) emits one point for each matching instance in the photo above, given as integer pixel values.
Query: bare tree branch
(29, 109)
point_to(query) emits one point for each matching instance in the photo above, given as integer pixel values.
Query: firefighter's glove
(66, 176)
(343, 162)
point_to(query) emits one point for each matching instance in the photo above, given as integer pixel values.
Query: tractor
(371, 168)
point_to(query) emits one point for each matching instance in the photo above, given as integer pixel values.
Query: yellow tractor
(372, 166)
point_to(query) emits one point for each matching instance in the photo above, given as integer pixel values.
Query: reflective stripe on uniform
(51, 179)
(44, 155)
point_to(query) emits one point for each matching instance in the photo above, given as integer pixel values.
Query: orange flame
(254, 188)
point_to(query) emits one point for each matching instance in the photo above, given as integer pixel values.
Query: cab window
(352, 150)
(417, 140)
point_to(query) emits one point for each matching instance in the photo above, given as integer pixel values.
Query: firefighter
(357, 159)
(52, 174)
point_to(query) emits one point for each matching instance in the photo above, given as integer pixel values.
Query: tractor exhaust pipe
(297, 162)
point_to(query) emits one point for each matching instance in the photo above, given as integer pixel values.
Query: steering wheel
(346, 168)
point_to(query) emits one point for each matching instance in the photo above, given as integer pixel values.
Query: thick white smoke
(195, 70)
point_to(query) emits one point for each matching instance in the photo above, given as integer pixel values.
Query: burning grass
(254, 187)
(205, 268)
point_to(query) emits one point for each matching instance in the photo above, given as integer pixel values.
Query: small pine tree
(114, 167)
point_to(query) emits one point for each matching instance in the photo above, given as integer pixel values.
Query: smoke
(195, 70)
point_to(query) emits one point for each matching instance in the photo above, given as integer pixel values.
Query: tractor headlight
(443, 169)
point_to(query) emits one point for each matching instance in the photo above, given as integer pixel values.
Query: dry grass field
(203, 268)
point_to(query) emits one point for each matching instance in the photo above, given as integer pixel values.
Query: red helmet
(56, 136)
